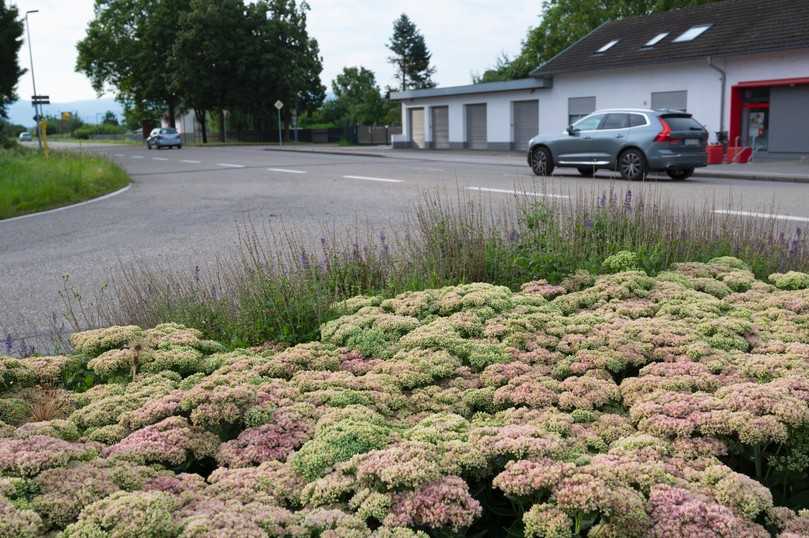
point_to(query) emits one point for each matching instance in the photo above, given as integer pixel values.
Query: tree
(110, 118)
(358, 96)
(11, 29)
(411, 55)
(211, 63)
(566, 21)
(128, 48)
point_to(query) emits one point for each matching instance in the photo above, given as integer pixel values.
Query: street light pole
(33, 79)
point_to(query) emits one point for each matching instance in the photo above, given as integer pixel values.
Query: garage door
(789, 116)
(526, 123)
(417, 127)
(440, 127)
(476, 126)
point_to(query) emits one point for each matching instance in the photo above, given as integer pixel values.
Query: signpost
(38, 101)
(278, 106)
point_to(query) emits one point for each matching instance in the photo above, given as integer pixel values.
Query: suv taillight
(664, 136)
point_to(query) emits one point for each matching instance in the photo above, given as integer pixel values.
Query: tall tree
(211, 63)
(566, 21)
(358, 96)
(11, 30)
(128, 49)
(410, 55)
(286, 60)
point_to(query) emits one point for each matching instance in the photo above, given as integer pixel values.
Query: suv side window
(590, 123)
(615, 121)
(636, 120)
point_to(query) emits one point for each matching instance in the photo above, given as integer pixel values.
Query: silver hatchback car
(165, 137)
(631, 141)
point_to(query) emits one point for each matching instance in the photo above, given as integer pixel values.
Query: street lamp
(33, 79)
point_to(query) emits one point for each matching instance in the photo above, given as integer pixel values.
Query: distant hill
(22, 112)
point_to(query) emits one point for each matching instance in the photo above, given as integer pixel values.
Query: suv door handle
(619, 136)
(587, 138)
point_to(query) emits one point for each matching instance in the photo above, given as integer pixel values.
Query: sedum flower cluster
(616, 406)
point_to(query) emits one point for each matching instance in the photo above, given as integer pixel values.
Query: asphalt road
(184, 209)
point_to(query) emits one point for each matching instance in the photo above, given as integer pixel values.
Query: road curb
(333, 152)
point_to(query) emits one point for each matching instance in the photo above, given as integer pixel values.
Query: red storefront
(771, 115)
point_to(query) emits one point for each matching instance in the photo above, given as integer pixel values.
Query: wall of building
(499, 121)
(617, 88)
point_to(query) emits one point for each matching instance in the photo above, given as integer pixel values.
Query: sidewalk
(796, 171)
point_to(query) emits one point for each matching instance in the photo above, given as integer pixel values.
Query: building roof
(736, 27)
(485, 87)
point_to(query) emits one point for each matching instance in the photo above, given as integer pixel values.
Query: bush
(623, 405)
(85, 132)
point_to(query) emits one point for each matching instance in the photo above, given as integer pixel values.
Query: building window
(579, 107)
(656, 39)
(692, 33)
(608, 46)
(670, 100)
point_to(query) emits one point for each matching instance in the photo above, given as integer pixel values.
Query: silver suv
(631, 141)
(164, 137)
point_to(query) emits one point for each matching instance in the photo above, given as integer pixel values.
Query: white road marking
(228, 165)
(380, 179)
(190, 162)
(519, 193)
(159, 159)
(136, 157)
(761, 215)
(58, 209)
(285, 171)
(120, 155)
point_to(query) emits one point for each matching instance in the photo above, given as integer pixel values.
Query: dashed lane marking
(379, 179)
(190, 162)
(753, 214)
(285, 171)
(520, 193)
(228, 165)
(159, 159)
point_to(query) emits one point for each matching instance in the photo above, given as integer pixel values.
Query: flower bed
(620, 406)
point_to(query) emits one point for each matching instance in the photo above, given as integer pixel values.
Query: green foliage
(85, 132)
(566, 21)
(410, 55)
(30, 182)
(358, 99)
(621, 261)
(337, 443)
(11, 30)
(128, 47)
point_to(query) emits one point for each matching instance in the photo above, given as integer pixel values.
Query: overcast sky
(465, 36)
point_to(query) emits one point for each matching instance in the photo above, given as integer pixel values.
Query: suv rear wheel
(541, 161)
(632, 164)
(680, 175)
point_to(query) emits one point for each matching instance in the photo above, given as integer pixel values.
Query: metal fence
(357, 134)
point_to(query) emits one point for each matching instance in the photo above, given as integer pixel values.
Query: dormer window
(608, 46)
(692, 33)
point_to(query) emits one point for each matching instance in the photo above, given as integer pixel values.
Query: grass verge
(281, 286)
(29, 182)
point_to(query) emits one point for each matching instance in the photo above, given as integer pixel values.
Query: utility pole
(37, 115)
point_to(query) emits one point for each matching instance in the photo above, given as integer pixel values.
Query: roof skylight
(608, 46)
(692, 33)
(656, 39)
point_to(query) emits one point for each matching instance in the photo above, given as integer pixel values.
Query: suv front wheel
(632, 165)
(541, 161)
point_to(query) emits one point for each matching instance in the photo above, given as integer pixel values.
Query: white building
(739, 66)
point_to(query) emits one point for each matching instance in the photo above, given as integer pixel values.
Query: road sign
(41, 99)
(279, 105)
(67, 116)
